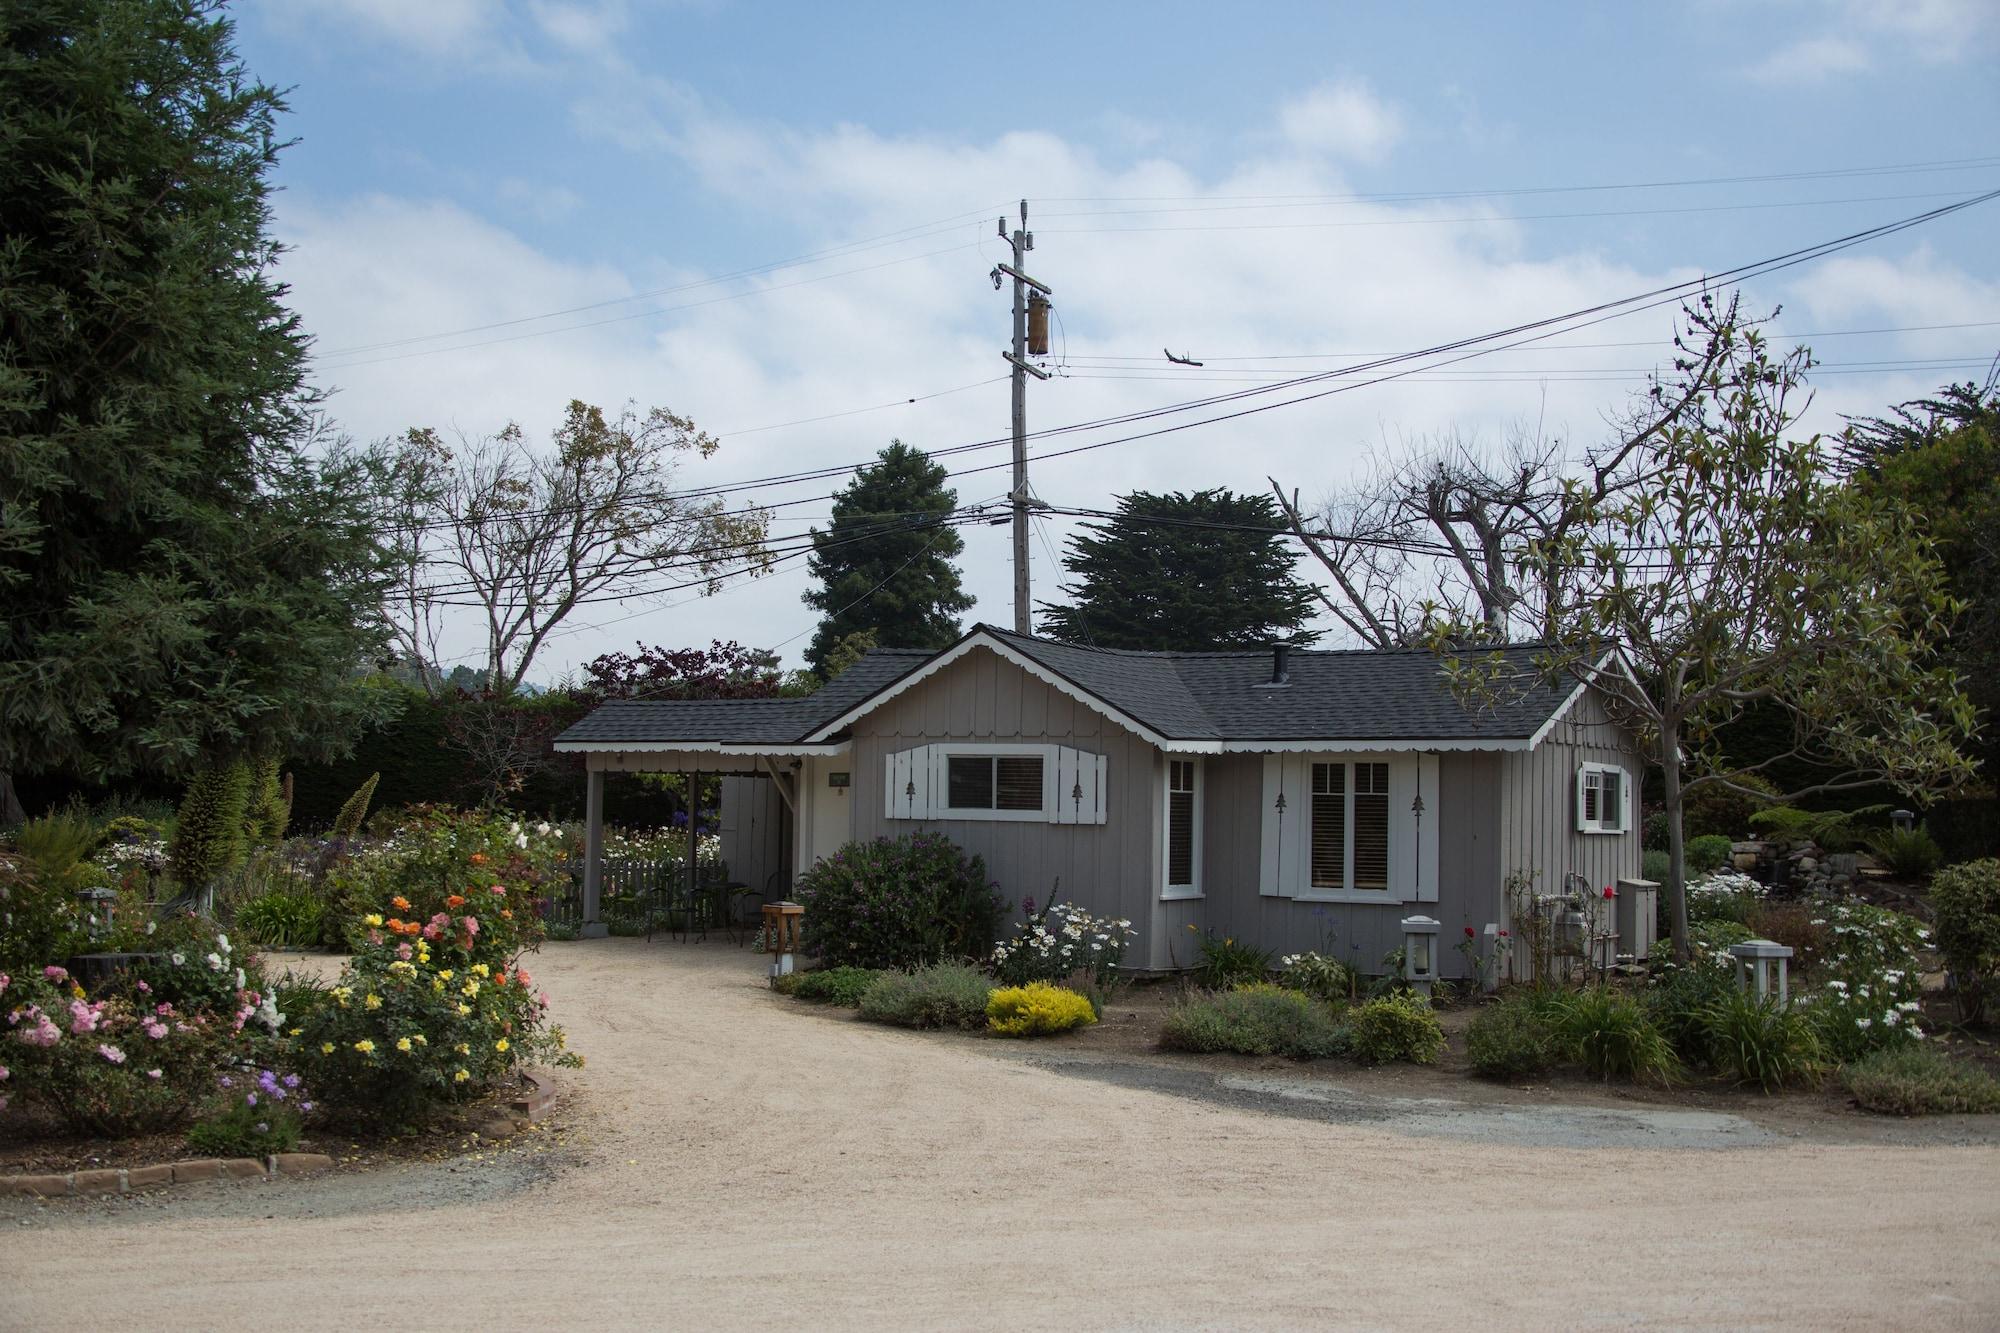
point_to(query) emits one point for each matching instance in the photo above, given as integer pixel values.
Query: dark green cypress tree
(182, 579)
(884, 565)
(1185, 573)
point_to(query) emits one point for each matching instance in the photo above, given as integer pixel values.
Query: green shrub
(1714, 809)
(58, 846)
(842, 986)
(40, 919)
(942, 995)
(1226, 963)
(1609, 1034)
(1037, 1009)
(1707, 854)
(1679, 1004)
(1401, 1026)
(1833, 830)
(1321, 977)
(1063, 943)
(1513, 1039)
(1761, 1041)
(268, 811)
(208, 835)
(898, 903)
(1966, 902)
(253, 1115)
(1655, 865)
(347, 824)
(1910, 854)
(1255, 1020)
(278, 919)
(1921, 1080)
(1721, 895)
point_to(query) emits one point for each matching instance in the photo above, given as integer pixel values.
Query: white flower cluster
(1066, 939)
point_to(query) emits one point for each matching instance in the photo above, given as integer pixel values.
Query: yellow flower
(460, 1076)
(437, 985)
(326, 1048)
(463, 1049)
(500, 1045)
(372, 919)
(464, 1009)
(403, 1044)
(420, 1039)
(470, 987)
(482, 969)
(295, 1032)
(364, 1046)
(445, 972)
(373, 1001)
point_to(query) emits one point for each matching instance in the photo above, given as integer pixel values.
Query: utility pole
(1031, 337)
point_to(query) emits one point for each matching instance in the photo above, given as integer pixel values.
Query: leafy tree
(1210, 570)
(884, 564)
(183, 577)
(527, 537)
(1743, 574)
(1940, 457)
(720, 671)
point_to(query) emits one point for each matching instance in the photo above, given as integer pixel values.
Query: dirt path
(737, 1163)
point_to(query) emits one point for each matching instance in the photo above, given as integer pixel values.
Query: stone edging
(122, 1180)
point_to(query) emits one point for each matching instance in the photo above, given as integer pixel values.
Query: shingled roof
(1359, 695)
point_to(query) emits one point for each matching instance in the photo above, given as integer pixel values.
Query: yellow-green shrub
(1036, 1009)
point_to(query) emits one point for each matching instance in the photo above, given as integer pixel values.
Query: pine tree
(884, 565)
(1184, 573)
(267, 812)
(208, 834)
(183, 579)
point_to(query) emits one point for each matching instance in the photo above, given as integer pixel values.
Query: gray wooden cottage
(1298, 799)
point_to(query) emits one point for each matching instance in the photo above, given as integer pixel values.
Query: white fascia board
(980, 639)
(1376, 745)
(697, 747)
(1542, 732)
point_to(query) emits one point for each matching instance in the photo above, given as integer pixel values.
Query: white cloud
(430, 27)
(1857, 36)
(1341, 120)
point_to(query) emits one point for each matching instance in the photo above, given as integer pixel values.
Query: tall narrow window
(1329, 826)
(1371, 826)
(1180, 824)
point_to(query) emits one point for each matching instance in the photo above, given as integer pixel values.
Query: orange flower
(507, 914)
(400, 903)
(455, 900)
(478, 858)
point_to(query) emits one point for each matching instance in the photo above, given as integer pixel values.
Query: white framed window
(1181, 829)
(995, 780)
(1603, 799)
(1349, 833)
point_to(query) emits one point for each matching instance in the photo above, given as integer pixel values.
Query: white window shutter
(1276, 871)
(1582, 808)
(1427, 829)
(1625, 785)
(895, 800)
(1069, 787)
(1099, 788)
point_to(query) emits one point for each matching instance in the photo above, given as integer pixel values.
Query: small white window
(1182, 854)
(1006, 782)
(1603, 799)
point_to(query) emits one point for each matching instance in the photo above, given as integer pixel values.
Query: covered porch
(779, 808)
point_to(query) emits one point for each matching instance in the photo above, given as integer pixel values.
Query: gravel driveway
(734, 1162)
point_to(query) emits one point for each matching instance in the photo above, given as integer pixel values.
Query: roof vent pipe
(1280, 655)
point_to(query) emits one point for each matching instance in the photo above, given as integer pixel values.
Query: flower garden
(132, 1009)
(899, 928)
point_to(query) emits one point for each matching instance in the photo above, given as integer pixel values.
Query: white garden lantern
(1420, 961)
(1761, 965)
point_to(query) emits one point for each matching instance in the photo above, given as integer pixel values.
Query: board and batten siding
(1360, 934)
(753, 825)
(1110, 868)
(1538, 833)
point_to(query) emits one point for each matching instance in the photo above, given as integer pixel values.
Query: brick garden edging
(122, 1180)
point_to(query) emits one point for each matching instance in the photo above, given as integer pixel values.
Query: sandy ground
(733, 1162)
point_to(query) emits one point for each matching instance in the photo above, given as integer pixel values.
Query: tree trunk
(1670, 772)
(11, 812)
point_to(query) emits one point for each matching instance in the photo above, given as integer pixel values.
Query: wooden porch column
(593, 854)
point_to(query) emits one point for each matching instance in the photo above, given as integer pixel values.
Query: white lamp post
(1420, 941)
(1761, 965)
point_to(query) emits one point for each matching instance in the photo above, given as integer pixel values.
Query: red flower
(1610, 892)
(1468, 932)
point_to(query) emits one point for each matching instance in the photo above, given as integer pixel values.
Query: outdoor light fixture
(1761, 965)
(1420, 941)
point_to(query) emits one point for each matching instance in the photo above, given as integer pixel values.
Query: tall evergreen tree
(884, 565)
(183, 579)
(1183, 573)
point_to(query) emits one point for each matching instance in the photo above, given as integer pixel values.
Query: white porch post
(593, 853)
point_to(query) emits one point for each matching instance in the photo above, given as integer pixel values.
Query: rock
(146, 1177)
(41, 1187)
(500, 1127)
(207, 1168)
(243, 1168)
(1808, 864)
(104, 1181)
(299, 1163)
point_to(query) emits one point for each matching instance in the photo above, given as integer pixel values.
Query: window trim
(944, 752)
(1181, 892)
(1346, 891)
(1598, 827)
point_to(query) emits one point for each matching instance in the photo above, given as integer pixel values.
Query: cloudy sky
(778, 219)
